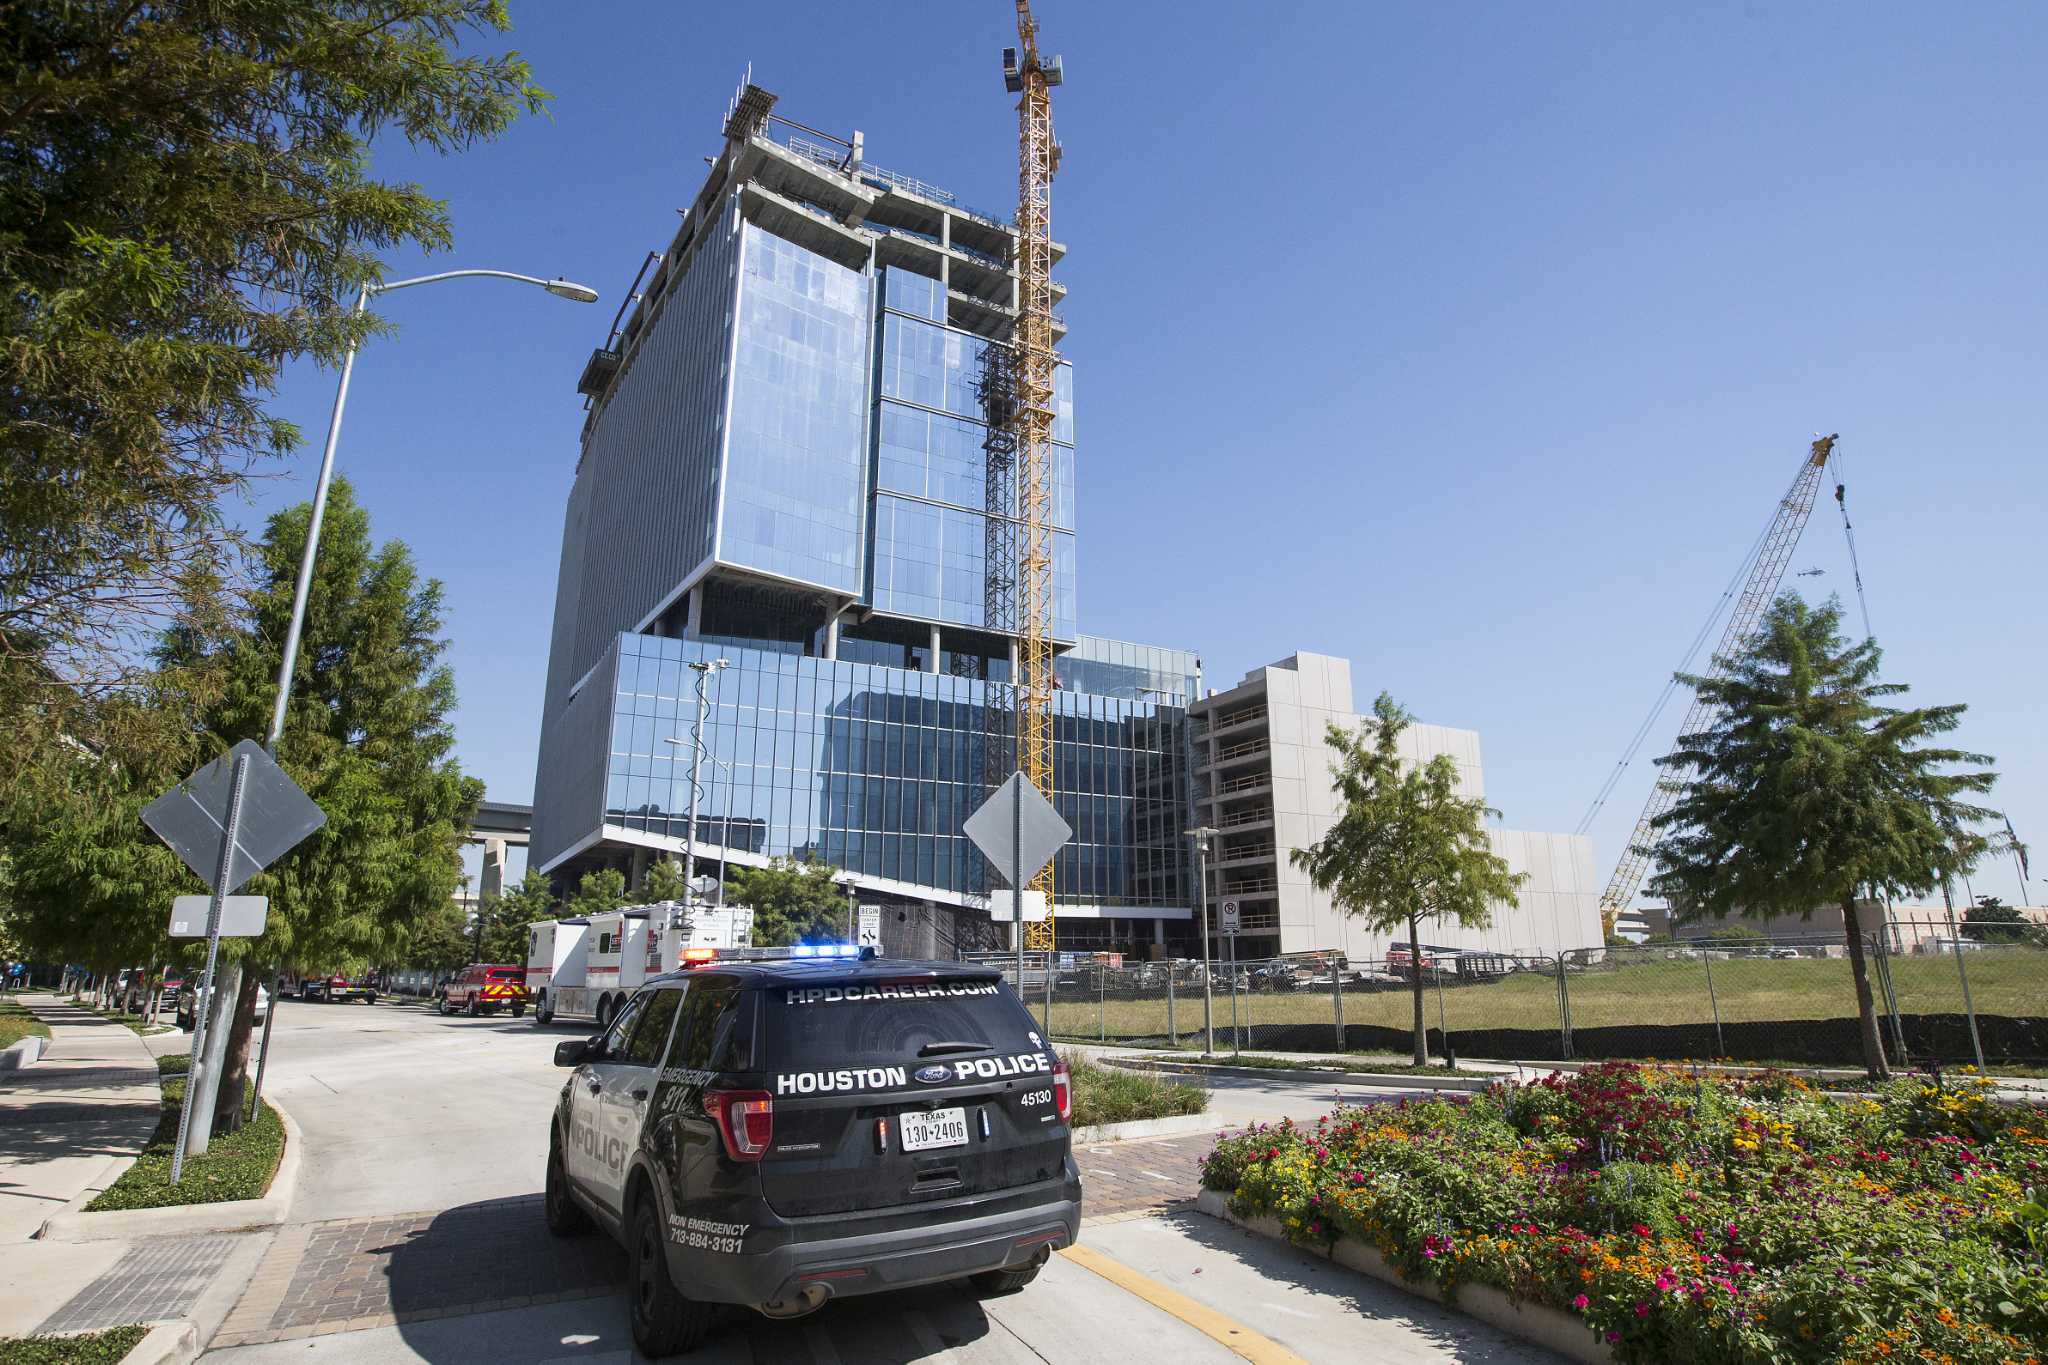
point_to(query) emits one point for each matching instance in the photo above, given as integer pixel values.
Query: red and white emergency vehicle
(587, 966)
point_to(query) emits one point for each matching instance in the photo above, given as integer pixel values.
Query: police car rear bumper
(871, 1263)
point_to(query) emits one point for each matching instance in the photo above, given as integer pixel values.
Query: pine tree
(367, 736)
(1406, 847)
(1809, 790)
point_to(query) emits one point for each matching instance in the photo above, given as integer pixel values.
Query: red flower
(1640, 1230)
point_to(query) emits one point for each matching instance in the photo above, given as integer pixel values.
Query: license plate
(939, 1128)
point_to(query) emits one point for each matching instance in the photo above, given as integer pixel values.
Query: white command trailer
(557, 953)
(614, 952)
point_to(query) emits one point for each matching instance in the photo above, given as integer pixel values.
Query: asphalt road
(420, 1129)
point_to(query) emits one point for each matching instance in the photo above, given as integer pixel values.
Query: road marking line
(1241, 1340)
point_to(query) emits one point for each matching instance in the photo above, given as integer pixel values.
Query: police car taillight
(745, 1119)
(1063, 1090)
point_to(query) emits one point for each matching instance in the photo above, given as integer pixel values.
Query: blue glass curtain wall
(875, 769)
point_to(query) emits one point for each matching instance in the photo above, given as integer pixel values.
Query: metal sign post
(1230, 923)
(228, 821)
(196, 1075)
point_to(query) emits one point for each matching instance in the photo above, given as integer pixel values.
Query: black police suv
(776, 1133)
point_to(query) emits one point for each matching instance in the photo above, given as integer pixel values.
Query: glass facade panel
(875, 769)
(796, 457)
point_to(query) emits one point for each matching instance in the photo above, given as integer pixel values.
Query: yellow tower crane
(1032, 77)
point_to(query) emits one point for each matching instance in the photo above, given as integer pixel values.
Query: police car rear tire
(665, 1322)
(995, 1282)
(565, 1216)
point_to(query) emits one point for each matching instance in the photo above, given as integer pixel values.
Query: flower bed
(1693, 1218)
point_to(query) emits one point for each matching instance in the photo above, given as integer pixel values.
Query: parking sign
(1227, 920)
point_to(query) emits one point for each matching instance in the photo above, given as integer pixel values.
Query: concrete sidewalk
(68, 1126)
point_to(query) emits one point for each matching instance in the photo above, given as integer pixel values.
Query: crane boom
(1767, 571)
(1033, 362)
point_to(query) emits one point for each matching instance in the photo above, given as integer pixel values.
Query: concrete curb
(168, 1343)
(1144, 1128)
(1471, 1084)
(1550, 1328)
(234, 1215)
(24, 1052)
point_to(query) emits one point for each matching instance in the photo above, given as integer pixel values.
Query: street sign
(192, 816)
(1017, 829)
(1228, 920)
(240, 916)
(1034, 905)
(870, 935)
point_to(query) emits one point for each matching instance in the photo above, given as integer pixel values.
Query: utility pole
(1202, 834)
(704, 672)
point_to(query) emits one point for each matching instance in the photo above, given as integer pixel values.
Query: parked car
(191, 1001)
(777, 1134)
(338, 987)
(485, 988)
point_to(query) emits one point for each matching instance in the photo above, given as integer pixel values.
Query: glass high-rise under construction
(784, 465)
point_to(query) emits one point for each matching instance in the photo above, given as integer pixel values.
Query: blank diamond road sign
(192, 817)
(995, 828)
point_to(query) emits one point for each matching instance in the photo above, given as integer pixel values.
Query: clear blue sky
(1473, 343)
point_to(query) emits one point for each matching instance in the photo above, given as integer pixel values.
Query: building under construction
(807, 452)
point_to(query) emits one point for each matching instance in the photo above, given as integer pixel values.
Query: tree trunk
(1866, 1003)
(234, 1072)
(1415, 969)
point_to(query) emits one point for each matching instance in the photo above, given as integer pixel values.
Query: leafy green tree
(1406, 847)
(1991, 920)
(792, 901)
(664, 881)
(186, 206)
(508, 919)
(597, 892)
(1808, 789)
(367, 736)
(440, 941)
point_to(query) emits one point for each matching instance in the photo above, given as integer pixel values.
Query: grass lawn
(16, 1023)
(93, 1348)
(138, 1023)
(237, 1166)
(1106, 1095)
(1655, 990)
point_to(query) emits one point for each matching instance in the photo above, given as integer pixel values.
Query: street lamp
(560, 288)
(1202, 834)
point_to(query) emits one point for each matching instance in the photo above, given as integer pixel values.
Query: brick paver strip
(151, 1282)
(359, 1272)
(1130, 1178)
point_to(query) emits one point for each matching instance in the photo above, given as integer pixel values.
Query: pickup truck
(337, 987)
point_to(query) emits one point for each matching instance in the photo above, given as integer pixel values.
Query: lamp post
(207, 1056)
(1202, 834)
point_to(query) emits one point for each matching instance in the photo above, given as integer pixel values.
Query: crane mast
(1028, 454)
(1759, 589)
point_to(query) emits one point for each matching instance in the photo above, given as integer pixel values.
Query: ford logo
(932, 1075)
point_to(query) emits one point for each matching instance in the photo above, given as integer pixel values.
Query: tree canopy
(1809, 788)
(186, 205)
(1406, 846)
(793, 901)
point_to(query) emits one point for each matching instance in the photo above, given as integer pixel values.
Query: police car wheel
(565, 1216)
(993, 1282)
(664, 1321)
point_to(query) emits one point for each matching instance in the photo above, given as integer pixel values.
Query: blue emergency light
(825, 950)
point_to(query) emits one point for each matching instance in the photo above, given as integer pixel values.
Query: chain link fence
(1787, 1000)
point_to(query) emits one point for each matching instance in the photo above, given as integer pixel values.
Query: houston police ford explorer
(777, 1132)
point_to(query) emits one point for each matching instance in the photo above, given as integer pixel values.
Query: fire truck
(586, 966)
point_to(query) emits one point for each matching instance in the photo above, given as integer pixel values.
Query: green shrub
(1113, 1095)
(237, 1165)
(91, 1348)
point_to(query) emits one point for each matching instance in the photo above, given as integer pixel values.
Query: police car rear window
(507, 974)
(890, 1024)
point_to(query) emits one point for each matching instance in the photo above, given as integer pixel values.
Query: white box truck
(586, 967)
